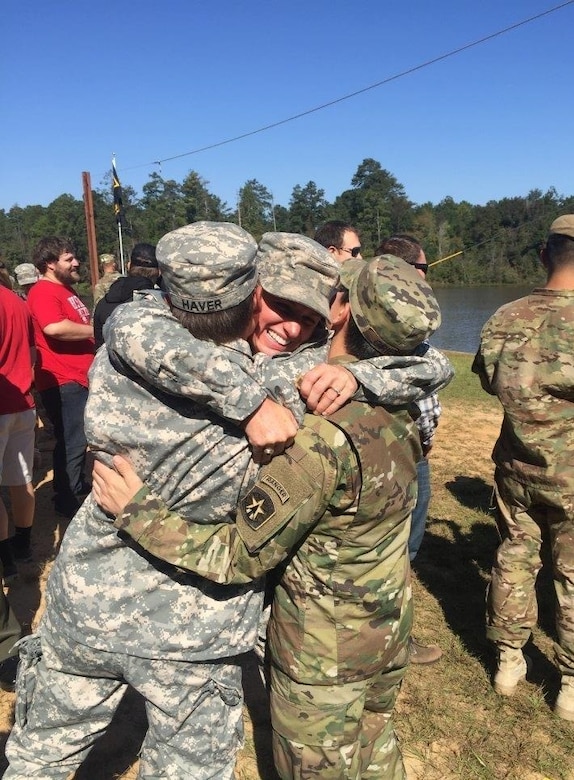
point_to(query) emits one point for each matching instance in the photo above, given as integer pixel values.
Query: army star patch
(257, 508)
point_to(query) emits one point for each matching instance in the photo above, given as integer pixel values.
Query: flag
(117, 192)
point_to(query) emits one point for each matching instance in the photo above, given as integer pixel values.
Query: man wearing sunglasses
(409, 249)
(340, 239)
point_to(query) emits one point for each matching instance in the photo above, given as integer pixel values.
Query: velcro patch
(257, 507)
(276, 486)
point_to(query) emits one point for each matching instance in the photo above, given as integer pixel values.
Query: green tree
(255, 209)
(163, 205)
(307, 208)
(200, 203)
(376, 204)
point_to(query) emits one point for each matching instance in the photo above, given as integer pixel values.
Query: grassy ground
(451, 724)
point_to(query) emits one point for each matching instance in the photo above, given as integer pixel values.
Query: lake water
(464, 312)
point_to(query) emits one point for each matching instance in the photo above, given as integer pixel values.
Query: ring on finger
(268, 451)
(334, 389)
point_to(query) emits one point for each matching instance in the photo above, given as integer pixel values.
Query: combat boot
(510, 671)
(564, 706)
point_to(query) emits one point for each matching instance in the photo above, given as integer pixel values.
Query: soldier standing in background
(525, 358)
(110, 273)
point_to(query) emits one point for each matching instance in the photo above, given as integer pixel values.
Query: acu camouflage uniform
(526, 359)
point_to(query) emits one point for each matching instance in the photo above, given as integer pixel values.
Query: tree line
(499, 241)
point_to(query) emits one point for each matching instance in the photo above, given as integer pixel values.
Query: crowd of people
(261, 416)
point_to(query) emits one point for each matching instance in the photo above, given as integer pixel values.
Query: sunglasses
(354, 251)
(424, 267)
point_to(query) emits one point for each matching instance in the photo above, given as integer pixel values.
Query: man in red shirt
(17, 421)
(65, 350)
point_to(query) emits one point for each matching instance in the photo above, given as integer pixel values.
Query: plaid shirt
(430, 411)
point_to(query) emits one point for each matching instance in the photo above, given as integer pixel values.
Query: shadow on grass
(455, 571)
(472, 492)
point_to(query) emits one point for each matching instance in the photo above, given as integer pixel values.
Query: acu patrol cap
(391, 304)
(26, 273)
(298, 269)
(207, 266)
(563, 226)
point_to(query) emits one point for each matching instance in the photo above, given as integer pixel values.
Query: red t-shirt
(58, 361)
(16, 339)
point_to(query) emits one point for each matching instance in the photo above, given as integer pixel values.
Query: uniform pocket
(30, 649)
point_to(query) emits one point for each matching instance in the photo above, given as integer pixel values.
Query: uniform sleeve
(289, 497)
(485, 360)
(145, 338)
(400, 380)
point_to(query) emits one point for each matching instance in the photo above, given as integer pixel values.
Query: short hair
(408, 248)
(144, 256)
(355, 343)
(332, 233)
(49, 249)
(559, 251)
(148, 273)
(218, 326)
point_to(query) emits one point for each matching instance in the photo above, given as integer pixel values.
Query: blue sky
(149, 80)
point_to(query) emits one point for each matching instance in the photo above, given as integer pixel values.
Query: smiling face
(281, 325)
(65, 269)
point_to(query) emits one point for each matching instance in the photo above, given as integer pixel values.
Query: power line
(400, 75)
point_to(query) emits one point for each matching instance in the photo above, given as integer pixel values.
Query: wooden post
(90, 227)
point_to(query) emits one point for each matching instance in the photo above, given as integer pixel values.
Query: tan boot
(564, 706)
(510, 671)
(423, 654)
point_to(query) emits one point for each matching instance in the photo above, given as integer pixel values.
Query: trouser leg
(9, 627)
(511, 600)
(336, 732)
(65, 698)
(195, 718)
(420, 512)
(74, 398)
(561, 526)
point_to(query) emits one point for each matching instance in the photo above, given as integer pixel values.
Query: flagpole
(121, 243)
(118, 209)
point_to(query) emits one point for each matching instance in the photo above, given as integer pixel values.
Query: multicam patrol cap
(26, 273)
(298, 269)
(392, 305)
(207, 266)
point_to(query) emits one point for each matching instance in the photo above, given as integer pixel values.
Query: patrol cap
(26, 273)
(107, 259)
(563, 226)
(391, 304)
(207, 266)
(298, 269)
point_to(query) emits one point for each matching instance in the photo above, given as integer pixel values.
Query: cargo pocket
(30, 649)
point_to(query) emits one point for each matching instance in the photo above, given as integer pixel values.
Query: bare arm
(66, 330)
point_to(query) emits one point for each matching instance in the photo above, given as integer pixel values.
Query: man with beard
(65, 350)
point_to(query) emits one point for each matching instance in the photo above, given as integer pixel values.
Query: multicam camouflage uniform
(525, 358)
(103, 285)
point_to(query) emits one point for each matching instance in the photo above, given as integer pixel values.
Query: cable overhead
(400, 75)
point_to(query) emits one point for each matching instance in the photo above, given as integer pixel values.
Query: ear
(340, 312)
